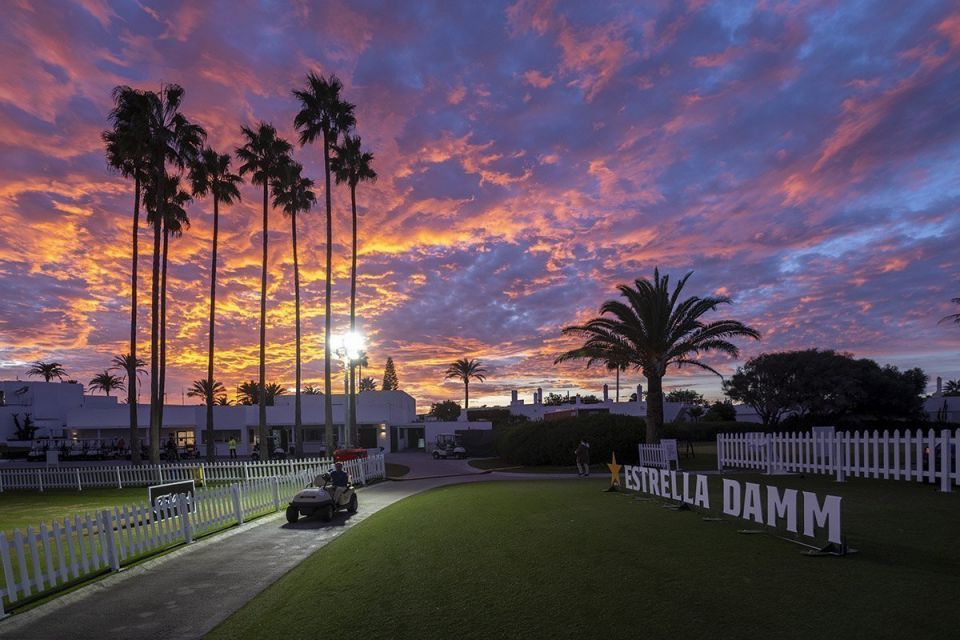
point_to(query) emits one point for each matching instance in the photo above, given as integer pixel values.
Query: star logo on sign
(614, 471)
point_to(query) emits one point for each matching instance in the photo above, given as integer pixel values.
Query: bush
(553, 443)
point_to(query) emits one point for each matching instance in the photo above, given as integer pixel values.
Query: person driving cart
(339, 479)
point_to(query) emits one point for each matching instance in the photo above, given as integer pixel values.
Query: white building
(537, 411)
(385, 419)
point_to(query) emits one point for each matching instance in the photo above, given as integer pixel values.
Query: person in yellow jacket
(233, 447)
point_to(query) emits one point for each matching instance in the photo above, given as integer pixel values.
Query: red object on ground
(342, 455)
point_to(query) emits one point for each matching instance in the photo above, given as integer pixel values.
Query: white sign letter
(828, 516)
(731, 497)
(777, 508)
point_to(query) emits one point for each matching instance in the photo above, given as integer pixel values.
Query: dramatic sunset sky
(800, 157)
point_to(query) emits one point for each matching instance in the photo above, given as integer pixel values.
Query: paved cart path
(187, 592)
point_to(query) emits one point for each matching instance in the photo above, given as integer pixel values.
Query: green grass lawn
(561, 559)
(19, 509)
(704, 457)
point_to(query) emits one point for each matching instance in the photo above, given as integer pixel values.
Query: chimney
(539, 395)
(606, 393)
(639, 393)
(939, 385)
(513, 397)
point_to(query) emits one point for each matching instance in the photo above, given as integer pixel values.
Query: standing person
(583, 459)
(233, 447)
(172, 449)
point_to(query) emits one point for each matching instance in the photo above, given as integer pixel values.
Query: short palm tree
(291, 192)
(613, 361)
(47, 370)
(263, 155)
(654, 329)
(368, 384)
(203, 389)
(211, 174)
(250, 393)
(106, 382)
(128, 151)
(173, 141)
(352, 166)
(464, 369)
(311, 390)
(951, 388)
(324, 115)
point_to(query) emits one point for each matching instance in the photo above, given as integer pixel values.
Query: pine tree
(390, 381)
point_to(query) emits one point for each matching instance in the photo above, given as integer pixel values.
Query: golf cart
(317, 498)
(449, 446)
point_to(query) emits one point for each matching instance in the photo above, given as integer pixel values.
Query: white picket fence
(929, 456)
(46, 557)
(659, 456)
(119, 476)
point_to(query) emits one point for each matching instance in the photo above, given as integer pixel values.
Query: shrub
(706, 431)
(553, 443)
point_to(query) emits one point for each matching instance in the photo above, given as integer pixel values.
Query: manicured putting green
(20, 509)
(561, 559)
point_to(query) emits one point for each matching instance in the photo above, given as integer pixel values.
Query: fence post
(79, 485)
(237, 505)
(838, 451)
(159, 475)
(946, 448)
(184, 510)
(246, 475)
(112, 552)
(719, 453)
(276, 493)
(40, 480)
(119, 482)
(769, 453)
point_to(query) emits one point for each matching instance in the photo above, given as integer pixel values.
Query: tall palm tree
(263, 155)
(323, 114)
(47, 370)
(211, 174)
(464, 369)
(173, 218)
(361, 362)
(352, 166)
(128, 151)
(173, 140)
(291, 192)
(203, 389)
(654, 329)
(106, 382)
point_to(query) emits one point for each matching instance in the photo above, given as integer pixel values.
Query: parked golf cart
(317, 498)
(449, 445)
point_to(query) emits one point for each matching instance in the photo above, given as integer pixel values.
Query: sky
(799, 157)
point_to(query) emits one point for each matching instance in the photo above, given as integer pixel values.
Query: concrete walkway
(186, 593)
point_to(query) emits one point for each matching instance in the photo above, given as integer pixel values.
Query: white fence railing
(119, 476)
(659, 456)
(42, 558)
(929, 456)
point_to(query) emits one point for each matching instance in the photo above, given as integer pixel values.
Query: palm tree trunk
(211, 446)
(163, 324)
(618, 384)
(132, 369)
(466, 395)
(155, 415)
(353, 307)
(654, 407)
(262, 392)
(297, 415)
(327, 386)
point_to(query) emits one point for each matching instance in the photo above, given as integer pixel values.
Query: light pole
(349, 347)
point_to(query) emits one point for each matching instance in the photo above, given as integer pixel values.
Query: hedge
(553, 442)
